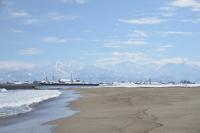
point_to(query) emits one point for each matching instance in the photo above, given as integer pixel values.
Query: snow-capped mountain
(92, 73)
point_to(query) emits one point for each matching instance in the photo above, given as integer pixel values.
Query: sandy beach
(134, 110)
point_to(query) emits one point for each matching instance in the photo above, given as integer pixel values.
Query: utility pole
(71, 78)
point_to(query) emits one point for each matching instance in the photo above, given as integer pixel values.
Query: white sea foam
(3, 90)
(13, 102)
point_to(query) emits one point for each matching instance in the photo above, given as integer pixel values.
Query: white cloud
(120, 43)
(163, 48)
(118, 58)
(58, 16)
(194, 63)
(193, 4)
(138, 34)
(167, 33)
(134, 56)
(23, 17)
(54, 40)
(106, 62)
(143, 21)
(19, 14)
(74, 1)
(168, 11)
(59, 40)
(30, 21)
(166, 61)
(15, 65)
(135, 42)
(29, 51)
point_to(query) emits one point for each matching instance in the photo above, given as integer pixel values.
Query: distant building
(186, 82)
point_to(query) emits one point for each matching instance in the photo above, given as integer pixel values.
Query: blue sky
(102, 34)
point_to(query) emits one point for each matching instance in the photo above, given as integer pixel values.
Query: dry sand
(135, 110)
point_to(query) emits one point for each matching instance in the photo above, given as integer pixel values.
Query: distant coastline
(39, 86)
(17, 86)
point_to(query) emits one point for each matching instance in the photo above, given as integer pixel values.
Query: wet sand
(134, 110)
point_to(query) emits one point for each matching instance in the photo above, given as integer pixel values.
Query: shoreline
(133, 110)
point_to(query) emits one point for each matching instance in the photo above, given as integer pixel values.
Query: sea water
(15, 102)
(34, 121)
